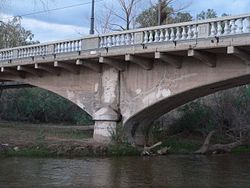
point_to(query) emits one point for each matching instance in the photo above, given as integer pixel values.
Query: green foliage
(120, 146)
(122, 150)
(29, 152)
(194, 117)
(40, 106)
(209, 13)
(241, 149)
(149, 16)
(181, 146)
(12, 34)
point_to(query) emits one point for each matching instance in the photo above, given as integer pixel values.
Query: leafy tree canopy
(12, 34)
(169, 15)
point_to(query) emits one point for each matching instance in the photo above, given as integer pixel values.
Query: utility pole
(159, 12)
(92, 21)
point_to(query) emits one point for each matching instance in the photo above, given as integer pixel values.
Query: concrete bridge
(136, 76)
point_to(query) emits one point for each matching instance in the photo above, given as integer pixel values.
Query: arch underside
(140, 123)
(27, 83)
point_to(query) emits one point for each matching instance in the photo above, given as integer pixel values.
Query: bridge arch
(228, 74)
(69, 86)
(49, 115)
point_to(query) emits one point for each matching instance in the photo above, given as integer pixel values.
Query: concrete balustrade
(217, 27)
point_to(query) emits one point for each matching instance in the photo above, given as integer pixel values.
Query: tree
(210, 13)
(118, 17)
(12, 34)
(169, 14)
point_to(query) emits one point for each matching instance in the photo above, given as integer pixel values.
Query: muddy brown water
(165, 171)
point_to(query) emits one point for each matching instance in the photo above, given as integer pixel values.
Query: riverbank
(43, 140)
(35, 140)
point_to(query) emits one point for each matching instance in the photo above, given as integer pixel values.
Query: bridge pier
(106, 120)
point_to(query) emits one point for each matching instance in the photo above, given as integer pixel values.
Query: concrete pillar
(105, 124)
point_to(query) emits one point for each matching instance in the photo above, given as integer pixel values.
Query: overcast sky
(74, 22)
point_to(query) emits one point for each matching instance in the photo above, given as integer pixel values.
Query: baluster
(104, 42)
(248, 25)
(101, 42)
(226, 28)
(117, 40)
(41, 50)
(62, 47)
(151, 37)
(75, 46)
(68, 49)
(184, 33)
(157, 35)
(109, 41)
(240, 28)
(32, 51)
(69, 46)
(145, 37)
(79, 45)
(72, 46)
(128, 39)
(122, 40)
(190, 32)
(196, 32)
(132, 39)
(55, 48)
(178, 33)
(166, 35)
(65, 46)
(59, 48)
(44, 50)
(213, 30)
(113, 38)
(161, 36)
(219, 28)
(234, 27)
(24, 52)
(172, 35)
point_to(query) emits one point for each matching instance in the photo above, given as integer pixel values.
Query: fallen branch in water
(216, 148)
(147, 150)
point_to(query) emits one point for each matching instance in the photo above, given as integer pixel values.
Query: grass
(122, 150)
(28, 152)
(241, 149)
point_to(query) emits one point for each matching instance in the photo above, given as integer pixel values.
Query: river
(165, 171)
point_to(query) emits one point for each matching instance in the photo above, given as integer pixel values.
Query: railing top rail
(197, 22)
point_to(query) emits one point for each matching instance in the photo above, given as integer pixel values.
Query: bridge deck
(168, 43)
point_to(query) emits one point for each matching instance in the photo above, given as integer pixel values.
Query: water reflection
(170, 171)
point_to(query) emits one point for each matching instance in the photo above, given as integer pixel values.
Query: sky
(73, 22)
